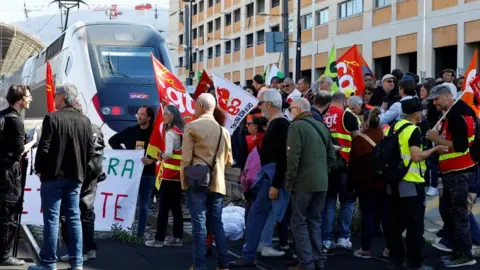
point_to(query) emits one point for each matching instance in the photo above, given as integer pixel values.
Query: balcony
(227, 59)
(259, 20)
(227, 30)
(407, 9)
(218, 8)
(236, 56)
(321, 32)
(249, 52)
(249, 23)
(210, 38)
(217, 35)
(227, 75)
(349, 25)
(227, 4)
(260, 50)
(200, 16)
(210, 11)
(382, 15)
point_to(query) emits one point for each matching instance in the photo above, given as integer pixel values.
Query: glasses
(390, 81)
(368, 93)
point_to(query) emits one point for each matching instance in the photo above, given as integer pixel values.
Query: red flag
(170, 92)
(350, 69)
(475, 85)
(50, 89)
(203, 85)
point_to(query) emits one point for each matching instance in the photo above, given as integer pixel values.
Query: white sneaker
(259, 248)
(65, 258)
(271, 252)
(91, 255)
(329, 244)
(154, 243)
(175, 242)
(441, 247)
(344, 243)
(432, 191)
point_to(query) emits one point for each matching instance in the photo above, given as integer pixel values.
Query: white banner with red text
(116, 197)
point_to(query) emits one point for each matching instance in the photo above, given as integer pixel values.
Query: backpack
(387, 159)
(252, 168)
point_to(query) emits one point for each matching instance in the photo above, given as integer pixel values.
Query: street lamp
(188, 37)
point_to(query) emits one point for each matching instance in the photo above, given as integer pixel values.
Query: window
(194, 33)
(228, 47)
(228, 19)
(200, 56)
(210, 27)
(180, 39)
(260, 36)
(181, 17)
(382, 3)
(260, 6)
(195, 10)
(210, 53)
(201, 31)
(350, 8)
(217, 50)
(210, 3)
(201, 6)
(125, 62)
(275, 28)
(194, 57)
(307, 21)
(236, 45)
(218, 23)
(236, 15)
(180, 62)
(250, 10)
(321, 16)
(249, 40)
(275, 3)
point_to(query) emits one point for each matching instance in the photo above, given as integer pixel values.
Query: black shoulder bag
(198, 176)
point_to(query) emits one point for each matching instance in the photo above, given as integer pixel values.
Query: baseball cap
(413, 105)
(388, 76)
(438, 90)
(408, 77)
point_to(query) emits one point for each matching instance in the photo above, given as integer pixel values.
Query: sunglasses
(390, 81)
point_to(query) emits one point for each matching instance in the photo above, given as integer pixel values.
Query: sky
(13, 10)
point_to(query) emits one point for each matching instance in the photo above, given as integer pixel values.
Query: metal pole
(286, 41)
(298, 44)
(188, 42)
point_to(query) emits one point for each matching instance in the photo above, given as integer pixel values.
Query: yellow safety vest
(413, 174)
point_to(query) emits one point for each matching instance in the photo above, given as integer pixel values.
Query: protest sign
(116, 197)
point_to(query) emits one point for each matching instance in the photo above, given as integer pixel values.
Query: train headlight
(106, 110)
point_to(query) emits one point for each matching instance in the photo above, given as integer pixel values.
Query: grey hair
(326, 79)
(288, 80)
(274, 97)
(70, 92)
(355, 100)
(303, 104)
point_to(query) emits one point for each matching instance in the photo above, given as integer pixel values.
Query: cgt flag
(50, 89)
(170, 92)
(350, 69)
(203, 84)
(234, 101)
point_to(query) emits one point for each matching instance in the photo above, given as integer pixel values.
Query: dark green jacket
(308, 157)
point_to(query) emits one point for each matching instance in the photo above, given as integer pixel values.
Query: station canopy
(16, 47)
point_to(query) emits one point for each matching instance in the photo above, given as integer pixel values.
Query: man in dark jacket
(137, 137)
(321, 102)
(95, 174)
(65, 149)
(12, 147)
(310, 151)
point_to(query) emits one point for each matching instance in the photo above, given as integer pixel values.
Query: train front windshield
(126, 62)
(121, 58)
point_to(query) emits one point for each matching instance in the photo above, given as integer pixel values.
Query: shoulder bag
(198, 176)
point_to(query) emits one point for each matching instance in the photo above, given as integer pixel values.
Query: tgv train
(109, 63)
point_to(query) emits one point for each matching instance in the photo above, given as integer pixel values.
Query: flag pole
(445, 114)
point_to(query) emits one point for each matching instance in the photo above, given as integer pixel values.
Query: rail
(32, 244)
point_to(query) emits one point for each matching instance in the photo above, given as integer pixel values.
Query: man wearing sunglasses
(385, 96)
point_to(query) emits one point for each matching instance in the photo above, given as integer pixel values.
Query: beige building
(422, 36)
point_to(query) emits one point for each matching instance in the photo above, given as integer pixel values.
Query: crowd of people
(301, 159)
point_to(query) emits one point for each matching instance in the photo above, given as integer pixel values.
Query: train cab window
(68, 67)
(126, 62)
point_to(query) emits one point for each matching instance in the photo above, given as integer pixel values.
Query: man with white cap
(385, 93)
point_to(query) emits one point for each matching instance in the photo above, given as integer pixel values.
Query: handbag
(198, 176)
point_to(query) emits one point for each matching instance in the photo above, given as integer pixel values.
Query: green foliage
(125, 235)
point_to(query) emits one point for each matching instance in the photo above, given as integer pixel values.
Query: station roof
(16, 47)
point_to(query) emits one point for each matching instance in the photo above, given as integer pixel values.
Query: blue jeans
(52, 193)
(147, 183)
(259, 213)
(200, 204)
(347, 206)
(267, 234)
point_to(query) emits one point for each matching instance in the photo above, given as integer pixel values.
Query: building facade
(421, 36)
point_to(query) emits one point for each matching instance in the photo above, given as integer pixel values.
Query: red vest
(254, 140)
(368, 106)
(171, 167)
(333, 118)
(455, 161)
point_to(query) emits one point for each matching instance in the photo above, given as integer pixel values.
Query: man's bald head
(205, 104)
(322, 98)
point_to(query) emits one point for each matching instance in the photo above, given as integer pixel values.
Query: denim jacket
(265, 177)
